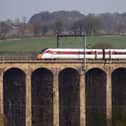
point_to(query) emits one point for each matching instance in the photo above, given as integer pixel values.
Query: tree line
(64, 22)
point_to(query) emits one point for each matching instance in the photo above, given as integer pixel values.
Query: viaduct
(62, 93)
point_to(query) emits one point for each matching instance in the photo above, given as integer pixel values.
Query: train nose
(39, 56)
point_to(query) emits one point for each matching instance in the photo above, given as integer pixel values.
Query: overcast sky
(12, 9)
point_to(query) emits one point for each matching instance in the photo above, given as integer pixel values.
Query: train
(77, 53)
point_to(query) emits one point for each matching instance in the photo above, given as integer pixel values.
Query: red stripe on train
(72, 52)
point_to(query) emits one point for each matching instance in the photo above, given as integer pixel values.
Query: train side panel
(115, 53)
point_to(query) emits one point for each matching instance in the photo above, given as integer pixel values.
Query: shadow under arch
(14, 96)
(69, 98)
(42, 97)
(119, 97)
(95, 97)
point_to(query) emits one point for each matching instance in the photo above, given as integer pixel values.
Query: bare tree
(22, 27)
(91, 24)
(4, 29)
(74, 28)
(77, 27)
(44, 29)
(36, 27)
(102, 46)
(57, 27)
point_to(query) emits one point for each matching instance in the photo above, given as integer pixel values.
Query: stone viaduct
(80, 107)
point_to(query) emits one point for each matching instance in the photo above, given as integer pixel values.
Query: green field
(36, 44)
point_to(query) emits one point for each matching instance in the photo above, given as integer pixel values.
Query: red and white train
(62, 53)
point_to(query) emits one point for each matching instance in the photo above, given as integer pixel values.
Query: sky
(13, 9)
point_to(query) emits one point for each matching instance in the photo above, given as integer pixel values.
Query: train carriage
(62, 53)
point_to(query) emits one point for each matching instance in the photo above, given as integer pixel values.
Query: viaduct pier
(62, 92)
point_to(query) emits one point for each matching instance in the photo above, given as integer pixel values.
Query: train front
(41, 53)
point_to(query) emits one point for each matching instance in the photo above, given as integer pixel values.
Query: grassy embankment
(36, 44)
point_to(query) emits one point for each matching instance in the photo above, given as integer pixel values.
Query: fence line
(18, 55)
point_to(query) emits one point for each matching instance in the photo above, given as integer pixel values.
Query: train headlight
(39, 56)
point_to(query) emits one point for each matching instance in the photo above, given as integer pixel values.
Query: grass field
(36, 44)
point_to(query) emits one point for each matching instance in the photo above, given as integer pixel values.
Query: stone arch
(119, 96)
(39, 67)
(14, 96)
(69, 100)
(95, 97)
(42, 97)
(14, 67)
(93, 66)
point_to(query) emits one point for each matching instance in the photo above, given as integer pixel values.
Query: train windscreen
(43, 50)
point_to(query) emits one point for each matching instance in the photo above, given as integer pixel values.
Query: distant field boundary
(36, 44)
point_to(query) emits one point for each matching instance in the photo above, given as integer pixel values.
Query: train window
(88, 52)
(91, 52)
(114, 52)
(118, 53)
(103, 53)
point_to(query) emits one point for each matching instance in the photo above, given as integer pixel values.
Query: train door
(103, 54)
(81, 54)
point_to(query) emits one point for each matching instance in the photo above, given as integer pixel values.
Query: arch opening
(95, 97)
(14, 97)
(119, 97)
(42, 97)
(69, 98)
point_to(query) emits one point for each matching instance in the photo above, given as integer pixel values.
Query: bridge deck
(58, 61)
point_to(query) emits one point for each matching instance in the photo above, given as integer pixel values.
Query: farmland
(36, 44)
